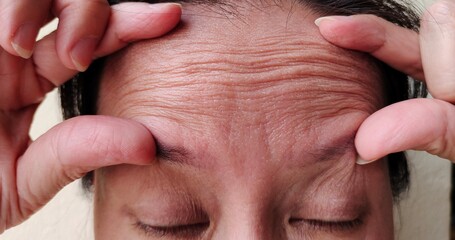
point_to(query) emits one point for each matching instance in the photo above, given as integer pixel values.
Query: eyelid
(171, 208)
(337, 216)
(184, 231)
(326, 226)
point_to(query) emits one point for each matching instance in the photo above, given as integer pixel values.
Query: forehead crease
(286, 55)
(314, 80)
(223, 114)
(211, 69)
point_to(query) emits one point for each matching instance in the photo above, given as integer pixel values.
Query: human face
(254, 116)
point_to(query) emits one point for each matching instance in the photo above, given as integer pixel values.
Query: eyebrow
(174, 154)
(324, 152)
(335, 147)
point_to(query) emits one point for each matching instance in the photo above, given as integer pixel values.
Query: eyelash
(328, 226)
(180, 231)
(194, 230)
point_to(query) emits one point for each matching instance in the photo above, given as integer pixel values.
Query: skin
(249, 142)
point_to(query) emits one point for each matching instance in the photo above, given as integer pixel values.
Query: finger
(418, 124)
(131, 22)
(81, 27)
(438, 49)
(20, 21)
(75, 147)
(122, 29)
(396, 46)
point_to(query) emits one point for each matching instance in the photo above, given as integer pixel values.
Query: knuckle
(93, 5)
(444, 7)
(441, 12)
(83, 16)
(72, 146)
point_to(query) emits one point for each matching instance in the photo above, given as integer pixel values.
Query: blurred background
(424, 213)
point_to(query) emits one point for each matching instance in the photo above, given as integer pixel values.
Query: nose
(241, 227)
(248, 221)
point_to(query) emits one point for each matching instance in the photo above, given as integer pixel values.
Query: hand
(32, 173)
(420, 124)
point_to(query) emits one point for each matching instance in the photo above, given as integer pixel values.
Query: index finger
(437, 41)
(394, 45)
(126, 24)
(20, 21)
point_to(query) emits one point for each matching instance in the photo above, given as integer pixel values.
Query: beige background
(423, 214)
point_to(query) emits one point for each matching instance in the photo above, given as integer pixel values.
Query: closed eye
(326, 226)
(184, 231)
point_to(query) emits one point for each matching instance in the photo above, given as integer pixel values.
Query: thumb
(134, 21)
(75, 147)
(418, 124)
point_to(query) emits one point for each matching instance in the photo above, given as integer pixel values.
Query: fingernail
(23, 41)
(160, 6)
(82, 53)
(361, 161)
(322, 19)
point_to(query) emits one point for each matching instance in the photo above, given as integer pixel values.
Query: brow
(334, 148)
(176, 154)
(330, 150)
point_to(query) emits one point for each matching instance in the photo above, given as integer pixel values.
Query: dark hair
(79, 95)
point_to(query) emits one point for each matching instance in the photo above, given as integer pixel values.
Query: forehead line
(268, 45)
(306, 64)
(149, 74)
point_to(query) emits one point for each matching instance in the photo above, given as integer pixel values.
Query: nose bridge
(247, 215)
(247, 203)
(243, 224)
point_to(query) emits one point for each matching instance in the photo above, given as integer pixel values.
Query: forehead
(248, 48)
(249, 73)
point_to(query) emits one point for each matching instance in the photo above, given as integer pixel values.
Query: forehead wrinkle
(226, 92)
(209, 76)
(284, 56)
(252, 62)
(241, 77)
(218, 101)
(203, 99)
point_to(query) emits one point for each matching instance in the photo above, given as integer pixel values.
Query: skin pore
(254, 117)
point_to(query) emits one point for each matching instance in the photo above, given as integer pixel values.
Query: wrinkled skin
(254, 117)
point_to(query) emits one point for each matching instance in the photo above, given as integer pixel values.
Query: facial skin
(254, 116)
